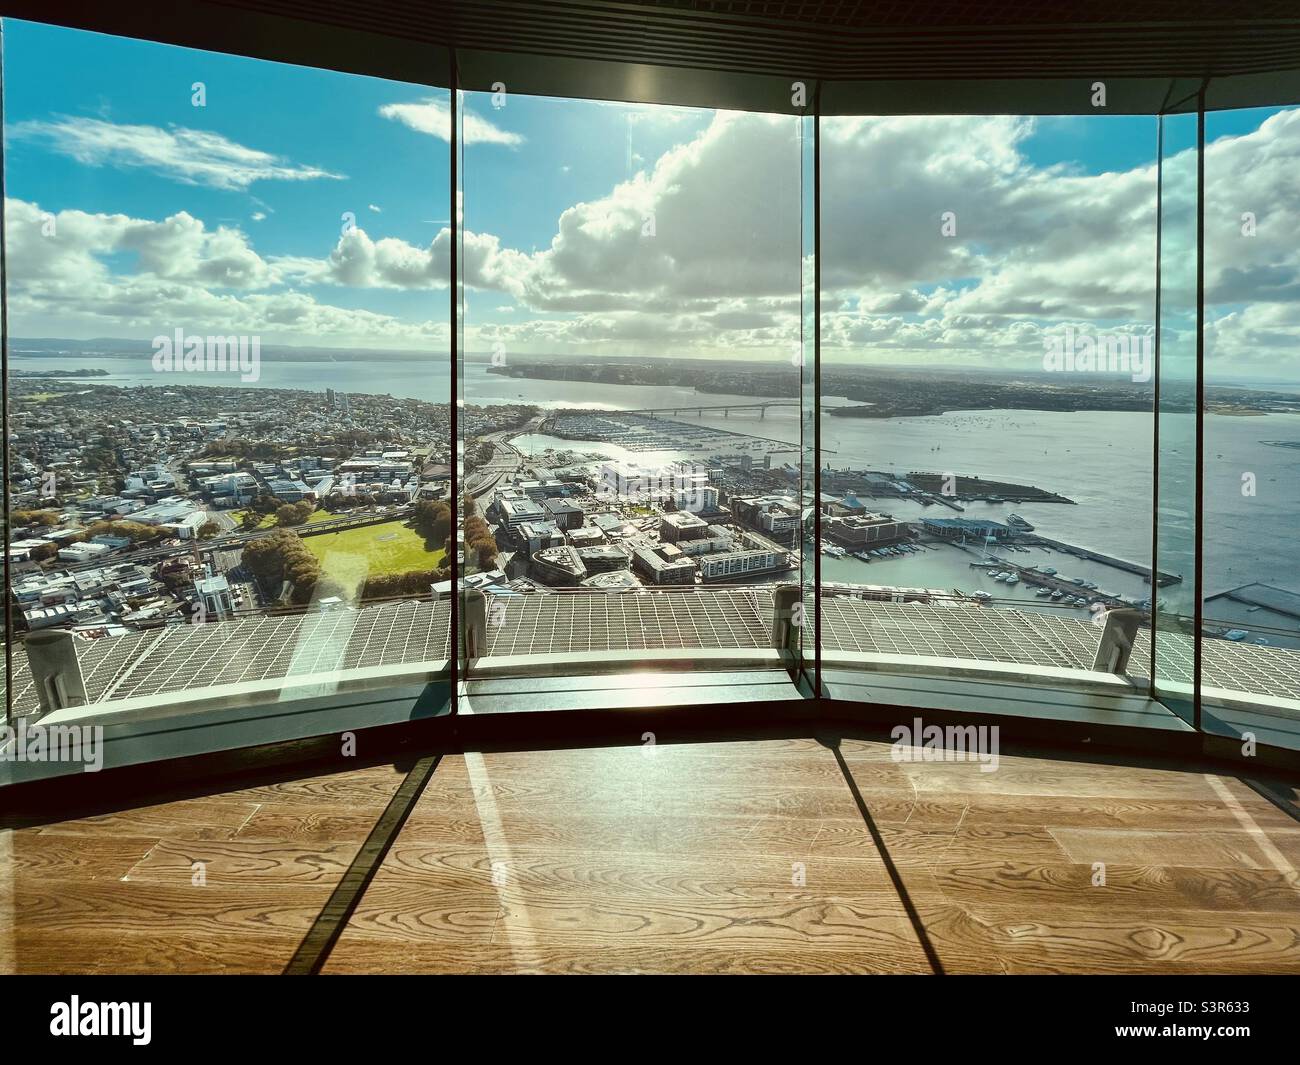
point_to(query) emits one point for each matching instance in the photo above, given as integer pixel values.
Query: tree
(487, 552)
(294, 513)
(44, 552)
(432, 520)
(280, 557)
(390, 585)
(208, 530)
(135, 531)
(34, 517)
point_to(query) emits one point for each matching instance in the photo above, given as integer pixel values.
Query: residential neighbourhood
(132, 508)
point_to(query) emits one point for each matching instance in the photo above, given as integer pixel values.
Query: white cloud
(68, 246)
(361, 261)
(182, 274)
(1036, 248)
(190, 156)
(433, 116)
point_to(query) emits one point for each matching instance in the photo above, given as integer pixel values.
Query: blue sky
(308, 117)
(170, 214)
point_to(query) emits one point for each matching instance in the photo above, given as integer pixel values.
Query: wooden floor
(747, 857)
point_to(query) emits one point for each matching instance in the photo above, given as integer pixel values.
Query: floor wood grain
(223, 883)
(741, 857)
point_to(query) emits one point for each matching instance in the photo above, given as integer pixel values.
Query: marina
(639, 432)
(1039, 578)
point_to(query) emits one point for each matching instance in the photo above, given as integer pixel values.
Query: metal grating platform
(185, 657)
(259, 649)
(576, 624)
(957, 631)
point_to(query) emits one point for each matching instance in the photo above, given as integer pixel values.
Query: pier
(1110, 560)
(1033, 577)
(1263, 597)
(976, 488)
(726, 408)
(642, 430)
(947, 501)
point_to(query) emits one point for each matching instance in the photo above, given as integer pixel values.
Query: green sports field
(352, 555)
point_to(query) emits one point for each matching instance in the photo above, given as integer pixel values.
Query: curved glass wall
(977, 411)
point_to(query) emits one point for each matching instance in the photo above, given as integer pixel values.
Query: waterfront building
(864, 529)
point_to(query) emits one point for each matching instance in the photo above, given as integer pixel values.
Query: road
(505, 462)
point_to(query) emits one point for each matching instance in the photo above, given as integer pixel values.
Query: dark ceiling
(827, 39)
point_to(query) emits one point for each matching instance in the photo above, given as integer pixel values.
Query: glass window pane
(228, 379)
(1174, 599)
(1251, 636)
(631, 421)
(987, 342)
